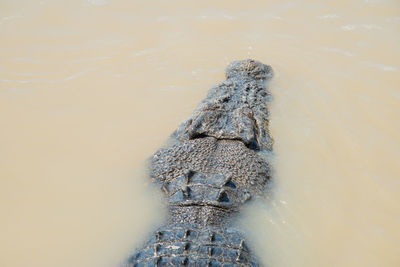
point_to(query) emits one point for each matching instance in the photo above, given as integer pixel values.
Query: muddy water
(90, 89)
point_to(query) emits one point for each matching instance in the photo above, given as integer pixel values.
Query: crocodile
(212, 165)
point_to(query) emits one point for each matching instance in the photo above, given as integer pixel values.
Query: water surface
(90, 89)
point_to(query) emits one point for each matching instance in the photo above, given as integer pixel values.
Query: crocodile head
(235, 109)
(248, 68)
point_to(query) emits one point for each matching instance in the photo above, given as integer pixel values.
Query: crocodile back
(189, 245)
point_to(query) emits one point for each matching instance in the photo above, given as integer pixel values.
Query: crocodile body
(214, 163)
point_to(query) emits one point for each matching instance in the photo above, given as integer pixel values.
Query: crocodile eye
(230, 184)
(223, 197)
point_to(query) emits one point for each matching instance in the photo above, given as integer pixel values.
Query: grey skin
(213, 164)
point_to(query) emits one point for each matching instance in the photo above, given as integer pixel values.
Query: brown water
(90, 89)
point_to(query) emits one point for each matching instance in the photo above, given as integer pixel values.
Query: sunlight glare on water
(90, 89)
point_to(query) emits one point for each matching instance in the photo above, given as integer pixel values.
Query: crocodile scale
(214, 163)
